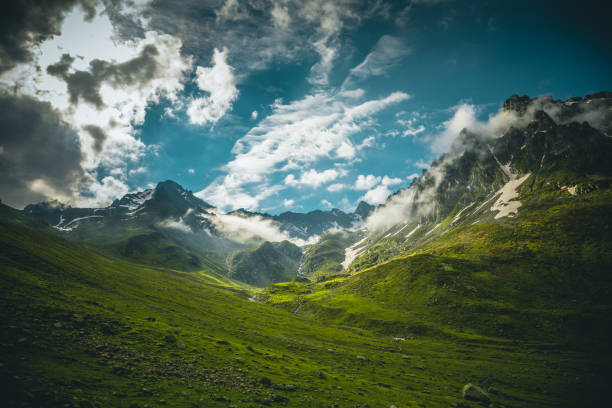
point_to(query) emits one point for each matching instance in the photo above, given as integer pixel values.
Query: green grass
(521, 307)
(96, 331)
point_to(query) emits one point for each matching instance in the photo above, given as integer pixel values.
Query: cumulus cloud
(101, 88)
(378, 194)
(254, 115)
(366, 182)
(27, 23)
(312, 178)
(41, 154)
(220, 84)
(296, 134)
(288, 203)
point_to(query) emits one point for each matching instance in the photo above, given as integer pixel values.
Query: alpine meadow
(314, 203)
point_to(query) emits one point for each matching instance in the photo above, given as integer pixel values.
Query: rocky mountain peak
(517, 103)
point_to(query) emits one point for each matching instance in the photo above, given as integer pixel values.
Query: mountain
(492, 269)
(269, 263)
(169, 226)
(326, 257)
(483, 176)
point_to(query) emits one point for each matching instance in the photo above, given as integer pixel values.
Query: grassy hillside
(95, 332)
(542, 277)
(324, 258)
(266, 264)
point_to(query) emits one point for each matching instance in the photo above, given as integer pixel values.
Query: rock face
(475, 393)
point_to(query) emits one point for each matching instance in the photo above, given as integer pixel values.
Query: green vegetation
(268, 263)
(324, 259)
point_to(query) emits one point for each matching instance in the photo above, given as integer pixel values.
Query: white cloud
(378, 194)
(312, 178)
(464, 117)
(388, 52)
(366, 182)
(254, 115)
(412, 177)
(288, 203)
(191, 171)
(241, 228)
(138, 170)
(295, 135)
(280, 16)
(414, 131)
(333, 188)
(220, 83)
(123, 104)
(326, 204)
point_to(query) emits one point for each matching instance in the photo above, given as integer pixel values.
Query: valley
(491, 269)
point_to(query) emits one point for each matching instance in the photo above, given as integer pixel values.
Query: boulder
(475, 393)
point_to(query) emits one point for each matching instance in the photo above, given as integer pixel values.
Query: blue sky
(282, 105)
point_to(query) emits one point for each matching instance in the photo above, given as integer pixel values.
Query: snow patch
(506, 204)
(461, 213)
(433, 229)
(408, 235)
(352, 252)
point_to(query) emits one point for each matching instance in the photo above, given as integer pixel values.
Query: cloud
(312, 178)
(334, 188)
(254, 115)
(378, 194)
(101, 88)
(387, 53)
(280, 16)
(300, 133)
(191, 171)
(98, 136)
(219, 82)
(242, 229)
(27, 23)
(288, 203)
(464, 117)
(39, 150)
(326, 203)
(366, 182)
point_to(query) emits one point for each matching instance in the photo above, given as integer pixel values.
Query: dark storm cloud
(98, 136)
(25, 23)
(35, 144)
(86, 85)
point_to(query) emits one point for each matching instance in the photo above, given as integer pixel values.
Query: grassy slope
(324, 259)
(95, 331)
(542, 278)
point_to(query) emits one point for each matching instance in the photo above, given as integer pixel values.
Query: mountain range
(492, 270)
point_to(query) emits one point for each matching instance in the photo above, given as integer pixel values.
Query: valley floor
(79, 329)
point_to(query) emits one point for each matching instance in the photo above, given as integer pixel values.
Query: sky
(269, 105)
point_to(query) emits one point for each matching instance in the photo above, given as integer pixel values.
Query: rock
(362, 358)
(475, 393)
